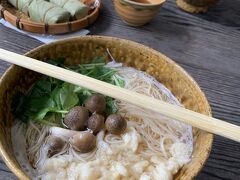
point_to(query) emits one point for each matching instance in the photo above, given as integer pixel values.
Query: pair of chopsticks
(197, 120)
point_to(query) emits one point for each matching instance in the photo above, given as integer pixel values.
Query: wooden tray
(22, 21)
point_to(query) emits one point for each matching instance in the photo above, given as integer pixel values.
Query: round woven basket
(22, 21)
(195, 6)
(83, 50)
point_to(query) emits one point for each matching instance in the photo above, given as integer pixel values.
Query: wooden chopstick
(198, 120)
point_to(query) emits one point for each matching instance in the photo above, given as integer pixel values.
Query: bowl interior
(146, 2)
(82, 50)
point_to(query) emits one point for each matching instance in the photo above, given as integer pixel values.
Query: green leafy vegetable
(68, 98)
(18, 106)
(50, 99)
(98, 60)
(38, 107)
(56, 62)
(111, 107)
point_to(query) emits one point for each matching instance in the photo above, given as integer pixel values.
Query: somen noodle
(153, 146)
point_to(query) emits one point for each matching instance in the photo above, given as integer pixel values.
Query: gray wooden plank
(224, 160)
(5, 173)
(184, 37)
(225, 12)
(7, 176)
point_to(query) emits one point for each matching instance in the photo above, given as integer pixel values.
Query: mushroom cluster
(86, 121)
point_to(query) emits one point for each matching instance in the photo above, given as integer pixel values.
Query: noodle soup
(116, 140)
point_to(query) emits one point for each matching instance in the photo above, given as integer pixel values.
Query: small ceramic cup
(195, 6)
(137, 12)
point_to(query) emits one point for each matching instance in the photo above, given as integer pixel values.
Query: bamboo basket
(82, 50)
(195, 6)
(22, 21)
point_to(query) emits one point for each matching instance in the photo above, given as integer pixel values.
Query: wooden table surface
(206, 45)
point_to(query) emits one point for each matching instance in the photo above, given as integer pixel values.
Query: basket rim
(22, 175)
(25, 25)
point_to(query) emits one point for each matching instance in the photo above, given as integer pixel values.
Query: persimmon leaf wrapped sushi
(76, 8)
(43, 11)
(21, 4)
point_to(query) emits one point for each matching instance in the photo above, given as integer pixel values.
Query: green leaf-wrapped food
(43, 11)
(77, 9)
(21, 4)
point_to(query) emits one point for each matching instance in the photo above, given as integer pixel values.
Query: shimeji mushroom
(95, 122)
(76, 118)
(115, 124)
(95, 103)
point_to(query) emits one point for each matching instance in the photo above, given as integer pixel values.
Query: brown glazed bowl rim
(144, 4)
(22, 175)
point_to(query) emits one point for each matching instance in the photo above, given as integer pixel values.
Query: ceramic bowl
(137, 12)
(82, 50)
